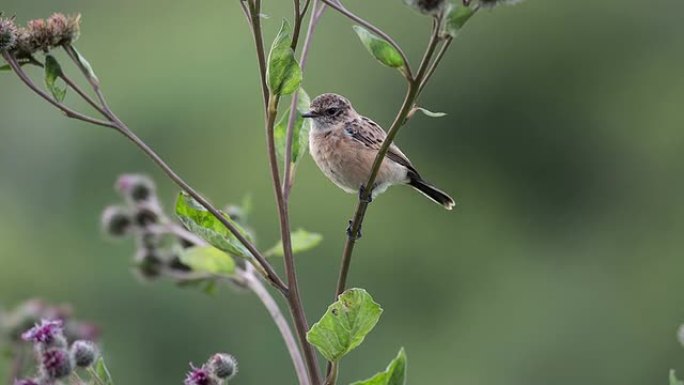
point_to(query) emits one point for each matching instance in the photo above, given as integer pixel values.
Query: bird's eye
(331, 111)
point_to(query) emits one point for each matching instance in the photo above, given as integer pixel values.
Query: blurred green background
(563, 146)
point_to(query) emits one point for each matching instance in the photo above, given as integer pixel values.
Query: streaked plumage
(344, 145)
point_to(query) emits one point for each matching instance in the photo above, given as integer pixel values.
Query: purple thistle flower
(200, 376)
(56, 363)
(46, 332)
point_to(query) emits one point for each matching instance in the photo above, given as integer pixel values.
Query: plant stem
(288, 167)
(293, 297)
(258, 288)
(254, 8)
(67, 111)
(337, 5)
(271, 109)
(435, 63)
(412, 93)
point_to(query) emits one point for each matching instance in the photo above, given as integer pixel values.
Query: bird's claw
(362, 193)
(350, 233)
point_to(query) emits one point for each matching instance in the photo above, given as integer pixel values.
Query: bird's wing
(371, 135)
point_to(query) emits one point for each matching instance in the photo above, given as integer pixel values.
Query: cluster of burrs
(56, 358)
(142, 217)
(39, 35)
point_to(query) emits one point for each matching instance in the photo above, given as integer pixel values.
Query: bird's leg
(349, 231)
(362, 192)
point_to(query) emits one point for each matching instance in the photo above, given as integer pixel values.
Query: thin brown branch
(270, 304)
(409, 101)
(254, 12)
(435, 63)
(293, 298)
(59, 105)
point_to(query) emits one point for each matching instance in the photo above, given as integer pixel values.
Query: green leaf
(395, 374)
(52, 72)
(673, 379)
(208, 259)
(300, 131)
(5, 67)
(283, 74)
(379, 48)
(102, 373)
(203, 223)
(85, 64)
(345, 324)
(431, 114)
(302, 240)
(457, 18)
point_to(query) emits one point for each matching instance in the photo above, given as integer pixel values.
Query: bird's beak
(309, 114)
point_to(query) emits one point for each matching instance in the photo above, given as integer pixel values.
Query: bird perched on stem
(344, 145)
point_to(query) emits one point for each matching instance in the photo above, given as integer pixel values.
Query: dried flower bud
(8, 34)
(26, 381)
(63, 29)
(24, 47)
(428, 7)
(146, 214)
(149, 264)
(40, 36)
(223, 366)
(83, 353)
(200, 376)
(116, 221)
(47, 334)
(176, 264)
(56, 363)
(494, 3)
(136, 188)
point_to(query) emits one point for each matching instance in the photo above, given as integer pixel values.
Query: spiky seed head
(40, 35)
(136, 188)
(24, 48)
(223, 365)
(149, 263)
(83, 353)
(116, 221)
(146, 214)
(8, 34)
(56, 363)
(428, 7)
(64, 29)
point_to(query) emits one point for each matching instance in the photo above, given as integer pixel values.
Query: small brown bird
(344, 145)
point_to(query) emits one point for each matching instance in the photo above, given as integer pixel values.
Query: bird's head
(329, 110)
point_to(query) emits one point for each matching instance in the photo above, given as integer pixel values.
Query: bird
(344, 145)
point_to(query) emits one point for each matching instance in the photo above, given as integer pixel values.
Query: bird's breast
(347, 163)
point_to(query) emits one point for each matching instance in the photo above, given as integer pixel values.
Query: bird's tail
(432, 192)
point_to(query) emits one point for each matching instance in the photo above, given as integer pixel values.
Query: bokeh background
(563, 144)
